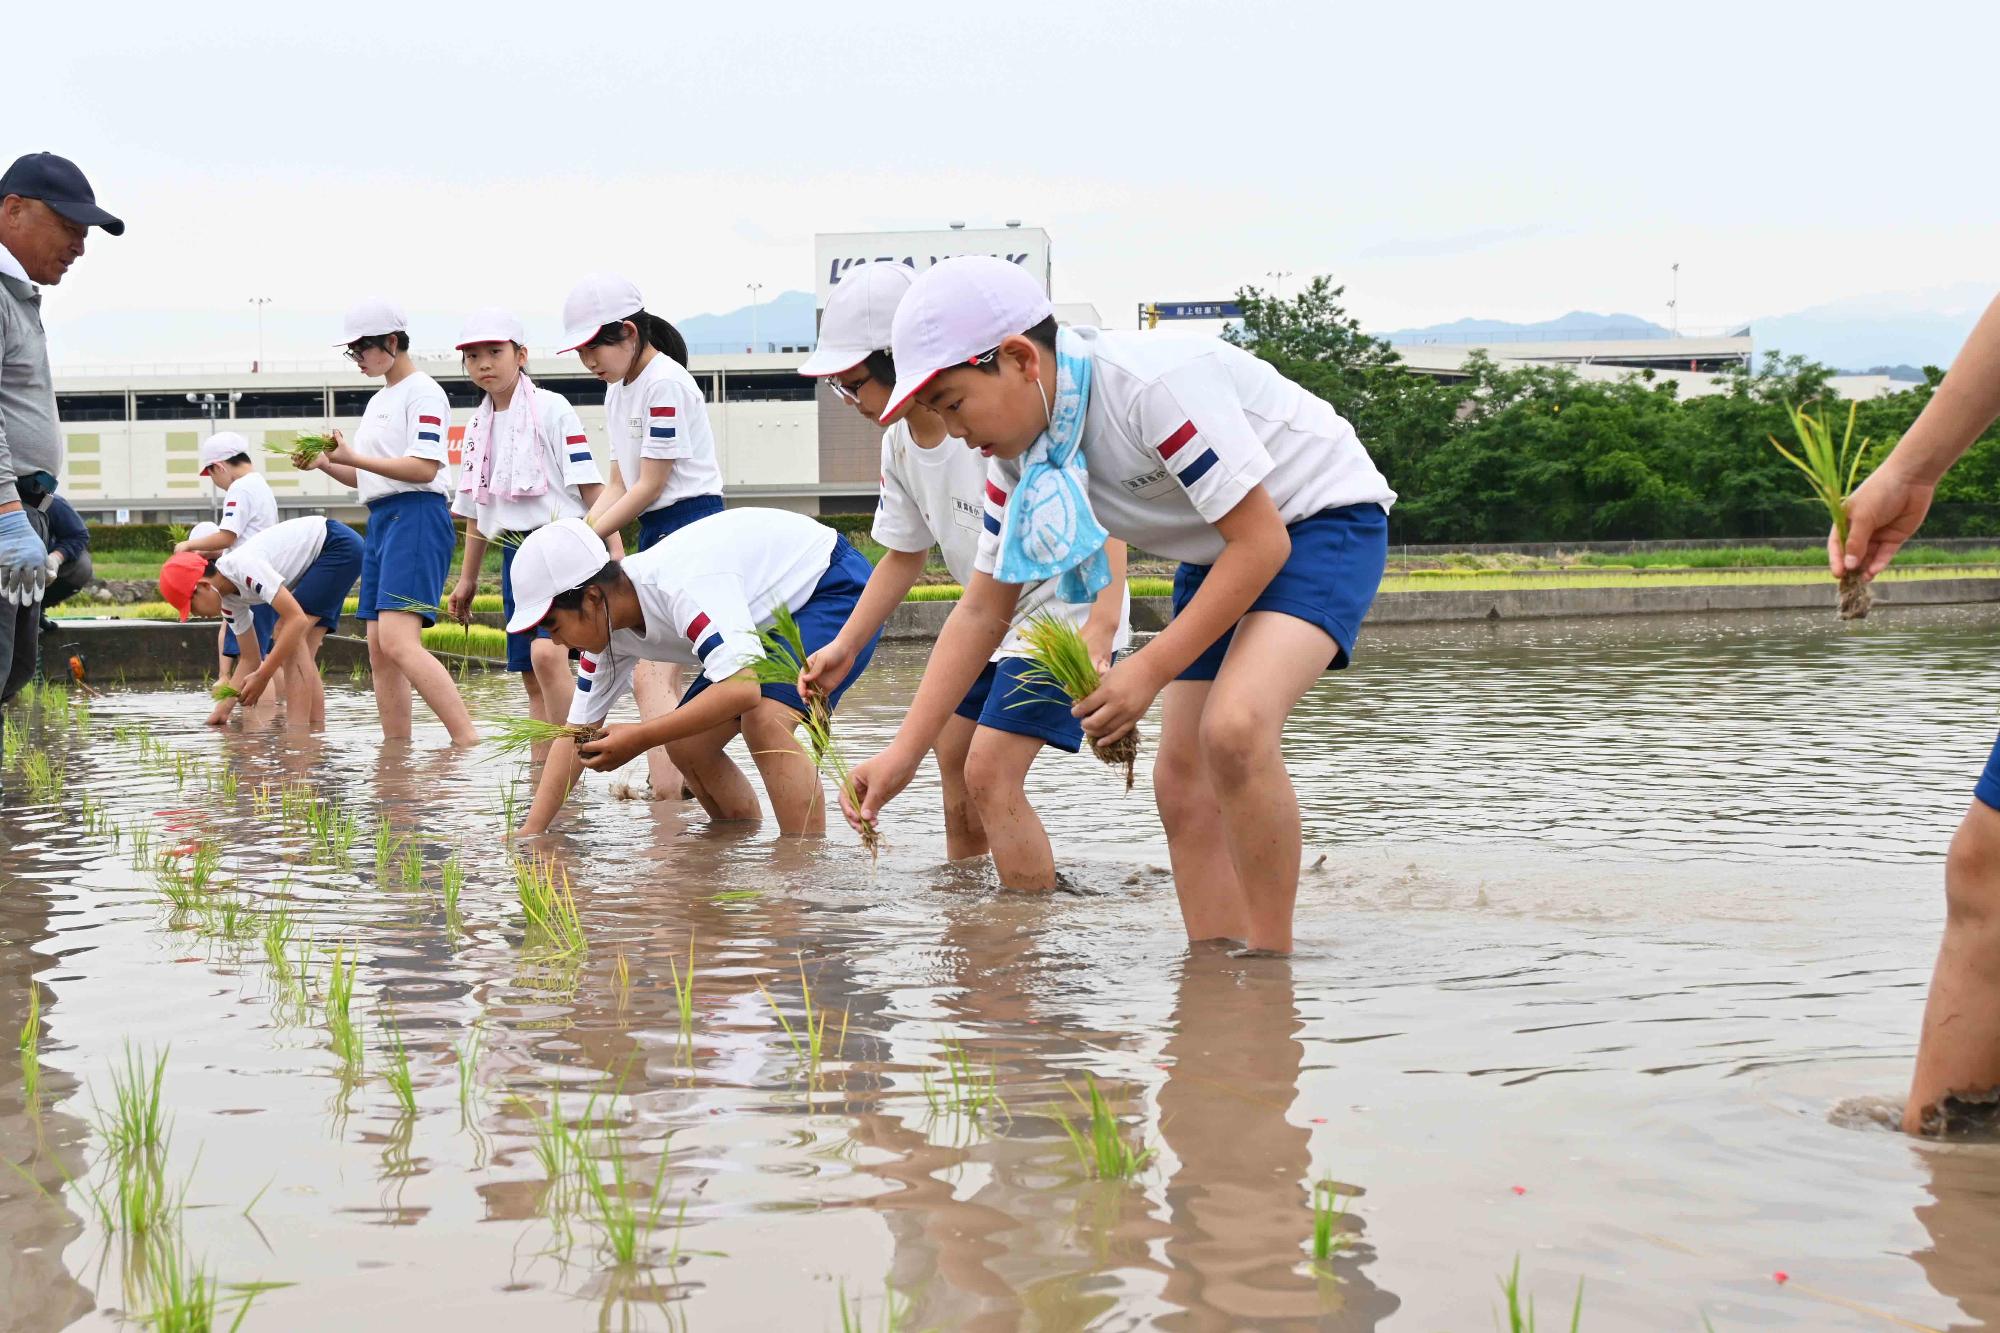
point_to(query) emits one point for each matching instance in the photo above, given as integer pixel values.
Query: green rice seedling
(229, 918)
(346, 1038)
(622, 1222)
(13, 740)
(728, 896)
(468, 1074)
(1831, 469)
(1061, 662)
(224, 690)
(142, 840)
(1521, 1319)
(229, 784)
(784, 657)
(684, 991)
(621, 983)
(894, 1316)
(557, 1147)
(385, 846)
(31, 1049)
(185, 1296)
(808, 1040)
(1101, 1145)
(1329, 1208)
(554, 923)
(451, 883)
(303, 451)
(44, 777)
(411, 868)
(966, 1091)
(521, 735)
(396, 1070)
(137, 1199)
(510, 805)
(336, 834)
(134, 1123)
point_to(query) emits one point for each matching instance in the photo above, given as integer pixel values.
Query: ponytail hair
(663, 336)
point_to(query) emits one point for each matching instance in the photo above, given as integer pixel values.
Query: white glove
(23, 561)
(55, 563)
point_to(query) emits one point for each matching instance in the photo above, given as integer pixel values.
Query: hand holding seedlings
(825, 669)
(617, 745)
(1831, 469)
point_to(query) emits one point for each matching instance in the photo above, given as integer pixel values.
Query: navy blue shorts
(1330, 579)
(657, 523)
(1000, 699)
(322, 590)
(820, 622)
(407, 555)
(520, 647)
(1988, 790)
(264, 619)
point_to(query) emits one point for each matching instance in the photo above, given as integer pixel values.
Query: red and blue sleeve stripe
(702, 646)
(579, 448)
(430, 429)
(586, 668)
(996, 508)
(660, 423)
(1197, 465)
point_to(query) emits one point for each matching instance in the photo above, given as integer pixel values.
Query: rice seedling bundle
(1061, 661)
(304, 450)
(555, 923)
(519, 735)
(1831, 469)
(1101, 1145)
(224, 690)
(784, 657)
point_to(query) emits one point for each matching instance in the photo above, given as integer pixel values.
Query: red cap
(178, 577)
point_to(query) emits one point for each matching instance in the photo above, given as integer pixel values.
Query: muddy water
(1612, 962)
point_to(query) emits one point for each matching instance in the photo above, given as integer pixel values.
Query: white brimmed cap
(957, 311)
(491, 325)
(552, 560)
(220, 448)
(600, 299)
(860, 317)
(371, 319)
(203, 529)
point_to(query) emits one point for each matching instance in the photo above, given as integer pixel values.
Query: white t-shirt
(565, 459)
(707, 590)
(661, 415)
(275, 558)
(410, 418)
(248, 508)
(1179, 428)
(932, 497)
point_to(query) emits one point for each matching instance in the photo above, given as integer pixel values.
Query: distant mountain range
(1576, 326)
(1894, 334)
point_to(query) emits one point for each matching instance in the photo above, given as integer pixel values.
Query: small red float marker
(1781, 1277)
(1520, 1189)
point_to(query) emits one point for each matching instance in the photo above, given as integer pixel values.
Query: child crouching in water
(303, 569)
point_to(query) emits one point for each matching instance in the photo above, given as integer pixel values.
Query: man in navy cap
(46, 210)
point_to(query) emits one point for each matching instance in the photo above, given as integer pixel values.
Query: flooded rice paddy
(1612, 956)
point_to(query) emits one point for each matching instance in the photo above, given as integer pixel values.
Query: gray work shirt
(30, 436)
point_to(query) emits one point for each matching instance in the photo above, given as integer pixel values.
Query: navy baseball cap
(57, 182)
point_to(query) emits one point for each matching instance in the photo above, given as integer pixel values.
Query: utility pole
(755, 288)
(260, 302)
(1674, 306)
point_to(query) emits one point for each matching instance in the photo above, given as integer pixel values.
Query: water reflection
(1585, 924)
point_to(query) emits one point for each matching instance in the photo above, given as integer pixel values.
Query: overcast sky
(1500, 160)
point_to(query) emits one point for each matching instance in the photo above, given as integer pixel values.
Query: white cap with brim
(550, 562)
(957, 311)
(491, 325)
(220, 448)
(203, 529)
(371, 319)
(860, 317)
(600, 299)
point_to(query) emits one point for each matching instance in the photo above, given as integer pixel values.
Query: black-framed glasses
(356, 349)
(851, 393)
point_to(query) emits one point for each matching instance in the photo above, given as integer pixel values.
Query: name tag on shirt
(1145, 487)
(965, 513)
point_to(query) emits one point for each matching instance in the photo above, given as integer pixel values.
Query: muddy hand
(615, 748)
(1882, 514)
(1117, 704)
(875, 780)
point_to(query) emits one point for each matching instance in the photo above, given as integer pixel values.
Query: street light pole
(260, 302)
(1674, 306)
(755, 288)
(1278, 283)
(211, 405)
